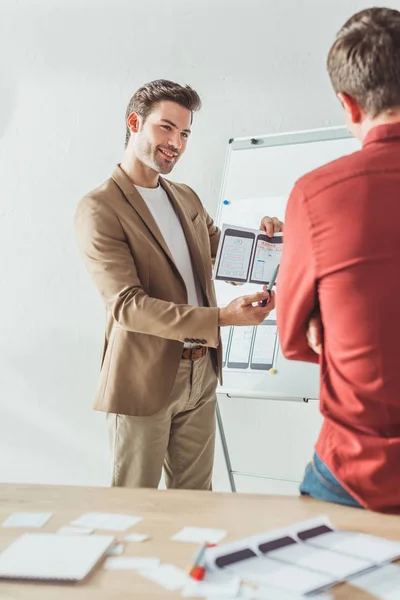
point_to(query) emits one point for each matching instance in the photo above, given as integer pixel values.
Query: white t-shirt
(171, 229)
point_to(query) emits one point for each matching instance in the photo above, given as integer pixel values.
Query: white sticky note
(67, 530)
(127, 563)
(199, 535)
(136, 537)
(214, 584)
(115, 550)
(111, 521)
(27, 519)
(168, 576)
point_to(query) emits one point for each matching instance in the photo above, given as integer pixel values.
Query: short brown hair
(364, 61)
(143, 100)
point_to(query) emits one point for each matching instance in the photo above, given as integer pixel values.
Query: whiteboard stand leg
(225, 450)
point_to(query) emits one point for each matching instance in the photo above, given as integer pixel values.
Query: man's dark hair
(364, 61)
(143, 100)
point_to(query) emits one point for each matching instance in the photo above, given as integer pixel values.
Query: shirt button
(198, 341)
(186, 340)
(203, 341)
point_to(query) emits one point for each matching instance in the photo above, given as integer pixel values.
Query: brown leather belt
(194, 353)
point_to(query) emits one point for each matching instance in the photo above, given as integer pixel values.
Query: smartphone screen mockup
(264, 346)
(236, 252)
(240, 346)
(225, 338)
(267, 257)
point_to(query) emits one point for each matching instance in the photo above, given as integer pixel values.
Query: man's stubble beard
(150, 160)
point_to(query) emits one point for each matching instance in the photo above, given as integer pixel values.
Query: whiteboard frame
(306, 136)
(291, 137)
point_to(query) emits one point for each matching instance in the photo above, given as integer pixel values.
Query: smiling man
(149, 244)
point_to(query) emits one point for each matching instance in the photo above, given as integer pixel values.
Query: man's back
(350, 267)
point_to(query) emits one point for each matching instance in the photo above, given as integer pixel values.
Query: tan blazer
(148, 318)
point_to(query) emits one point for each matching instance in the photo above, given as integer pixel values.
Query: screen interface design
(225, 337)
(267, 257)
(264, 346)
(234, 261)
(240, 346)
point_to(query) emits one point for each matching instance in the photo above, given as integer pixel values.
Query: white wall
(67, 70)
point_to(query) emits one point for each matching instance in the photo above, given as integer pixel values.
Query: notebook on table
(53, 558)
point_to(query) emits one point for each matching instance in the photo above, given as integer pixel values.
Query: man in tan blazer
(149, 245)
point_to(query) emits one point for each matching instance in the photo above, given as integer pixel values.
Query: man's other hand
(315, 333)
(242, 312)
(271, 225)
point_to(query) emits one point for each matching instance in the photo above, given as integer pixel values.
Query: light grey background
(67, 70)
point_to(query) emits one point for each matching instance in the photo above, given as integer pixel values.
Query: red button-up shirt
(342, 254)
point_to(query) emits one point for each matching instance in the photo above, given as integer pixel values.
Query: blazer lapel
(140, 206)
(188, 229)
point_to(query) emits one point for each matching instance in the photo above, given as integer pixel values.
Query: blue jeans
(320, 483)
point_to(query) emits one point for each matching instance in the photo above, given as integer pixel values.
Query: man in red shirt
(340, 268)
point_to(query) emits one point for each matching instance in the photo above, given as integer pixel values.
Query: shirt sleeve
(297, 296)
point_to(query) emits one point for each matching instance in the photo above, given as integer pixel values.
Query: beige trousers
(180, 436)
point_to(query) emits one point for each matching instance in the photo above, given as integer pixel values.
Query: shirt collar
(382, 133)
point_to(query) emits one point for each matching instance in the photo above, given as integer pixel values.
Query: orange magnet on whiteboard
(273, 371)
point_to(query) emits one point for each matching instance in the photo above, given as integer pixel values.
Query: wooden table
(165, 513)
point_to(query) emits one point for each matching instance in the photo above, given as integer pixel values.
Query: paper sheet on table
(136, 537)
(269, 593)
(127, 563)
(368, 547)
(116, 550)
(216, 584)
(287, 577)
(27, 519)
(199, 535)
(168, 576)
(286, 545)
(109, 521)
(383, 583)
(67, 530)
(348, 553)
(52, 557)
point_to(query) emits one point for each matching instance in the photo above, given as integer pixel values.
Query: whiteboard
(259, 175)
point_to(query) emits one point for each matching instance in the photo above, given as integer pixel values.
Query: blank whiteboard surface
(257, 182)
